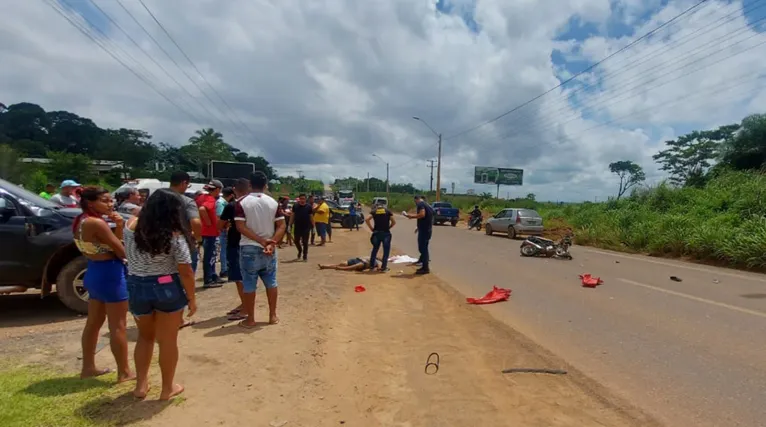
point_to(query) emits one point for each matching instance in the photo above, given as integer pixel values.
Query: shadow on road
(30, 310)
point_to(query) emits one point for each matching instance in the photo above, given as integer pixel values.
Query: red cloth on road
(359, 288)
(495, 295)
(590, 282)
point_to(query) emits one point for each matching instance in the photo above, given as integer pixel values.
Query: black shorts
(355, 261)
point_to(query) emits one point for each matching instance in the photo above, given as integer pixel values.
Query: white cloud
(326, 84)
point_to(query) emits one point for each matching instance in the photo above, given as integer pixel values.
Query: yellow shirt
(322, 214)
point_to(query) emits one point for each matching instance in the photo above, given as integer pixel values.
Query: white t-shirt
(65, 201)
(260, 212)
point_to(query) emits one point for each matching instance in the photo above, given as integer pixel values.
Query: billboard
(229, 172)
(498, 176)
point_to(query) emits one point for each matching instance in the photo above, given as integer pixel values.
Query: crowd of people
(146, 265)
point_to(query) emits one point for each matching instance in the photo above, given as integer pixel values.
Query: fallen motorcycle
(534, 246)
(474, 222)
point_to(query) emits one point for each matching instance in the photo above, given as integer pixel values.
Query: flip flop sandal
(185, 324)
(236, 316)
(234, 311)
(242, 325)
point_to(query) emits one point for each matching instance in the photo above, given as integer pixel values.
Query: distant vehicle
(514, 222)
(345, 197)
(444, 212)
(147, 186)
(38, 250)
(380, 201)
(341, 215)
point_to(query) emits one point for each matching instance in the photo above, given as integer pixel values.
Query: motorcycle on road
(474, 221)
(534, 246)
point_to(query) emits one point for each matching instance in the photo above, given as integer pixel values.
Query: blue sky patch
(92, 16)
(447, 7)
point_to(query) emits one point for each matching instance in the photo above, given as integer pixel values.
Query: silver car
(515, 221)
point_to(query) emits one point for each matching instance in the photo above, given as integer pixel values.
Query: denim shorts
(105, 281)
(321, 229)
(147, 295)
(232, 259)
(254, 264)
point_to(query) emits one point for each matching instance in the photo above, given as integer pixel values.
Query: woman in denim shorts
(160, 285)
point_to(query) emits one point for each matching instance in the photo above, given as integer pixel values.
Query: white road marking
(720, 271)
(698, 299)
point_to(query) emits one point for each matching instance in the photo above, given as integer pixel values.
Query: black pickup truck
(37, 249)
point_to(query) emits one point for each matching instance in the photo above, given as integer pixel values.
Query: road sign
(498, 176)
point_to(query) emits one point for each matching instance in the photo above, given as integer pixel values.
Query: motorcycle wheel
(528, 251)
(478, 227)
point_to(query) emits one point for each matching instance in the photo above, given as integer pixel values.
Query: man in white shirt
(261, 222)
(66, 196)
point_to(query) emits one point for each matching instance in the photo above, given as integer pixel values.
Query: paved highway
(692, 353)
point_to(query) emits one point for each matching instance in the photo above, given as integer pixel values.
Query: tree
(204, 146)
(531, 196)
(630, 174)
(689, 157)
(747, 149)
(71, 166)
(11, 168)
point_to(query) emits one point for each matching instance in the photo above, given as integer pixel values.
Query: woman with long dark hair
(160, 284)
(104, 280)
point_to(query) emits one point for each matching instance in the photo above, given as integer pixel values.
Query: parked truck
(444, 212)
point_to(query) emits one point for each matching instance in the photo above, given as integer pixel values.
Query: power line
(628, 46)
(202, 76)
(85, 32)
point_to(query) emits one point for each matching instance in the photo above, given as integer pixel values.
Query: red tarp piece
(495, 295)
(359, 288)
(590, 282)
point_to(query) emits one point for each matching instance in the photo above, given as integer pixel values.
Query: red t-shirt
(208, 202)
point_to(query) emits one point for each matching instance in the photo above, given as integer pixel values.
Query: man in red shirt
(210, 232)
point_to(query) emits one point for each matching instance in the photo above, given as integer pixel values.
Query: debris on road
(359, 288)
(402, 259)
(589, 281)
(495, 295)
(535, 371)
(434, 364)
(675, 279)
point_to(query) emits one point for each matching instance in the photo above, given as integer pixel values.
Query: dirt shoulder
(339, 357)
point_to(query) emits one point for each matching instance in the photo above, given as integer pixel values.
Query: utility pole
(368, 182)
(439, 171)
(388, 191)
(432, 162)
(453, 188)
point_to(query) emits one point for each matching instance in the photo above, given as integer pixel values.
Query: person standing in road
(352, 214)
(48, 193)
(424, 215)
(322, 220)
(262, 224)
(381, 234)
(302, 222)
(179, 182)
(233, 238)
(311, 202)
(227, 195)
(66, 197)
(210, 233)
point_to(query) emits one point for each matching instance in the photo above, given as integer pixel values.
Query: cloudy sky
(320, 86)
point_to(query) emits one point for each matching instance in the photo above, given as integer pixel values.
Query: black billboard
(229, 172)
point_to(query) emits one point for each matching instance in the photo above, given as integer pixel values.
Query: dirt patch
(339, 357)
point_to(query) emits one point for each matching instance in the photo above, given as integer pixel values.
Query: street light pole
(388, 187)
(438, 159)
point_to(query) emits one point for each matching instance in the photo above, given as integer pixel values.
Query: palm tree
(207, 145)
(206, 136)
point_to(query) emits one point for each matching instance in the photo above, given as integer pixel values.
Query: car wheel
(488, 230)
(454, 222)
(70, 287)
(511, 232)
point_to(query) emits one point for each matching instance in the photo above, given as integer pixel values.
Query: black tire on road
(454, 222)
(511, 232)
(66, 286)
(488, 230)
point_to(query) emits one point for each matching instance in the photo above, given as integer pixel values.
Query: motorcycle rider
(475, 213)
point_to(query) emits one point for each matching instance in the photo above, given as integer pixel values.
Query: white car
(380, 201)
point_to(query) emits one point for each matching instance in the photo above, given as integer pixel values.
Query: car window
(528, 213)
(7, 208)
(501, 214)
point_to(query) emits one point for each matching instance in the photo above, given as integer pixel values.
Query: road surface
(690, 352)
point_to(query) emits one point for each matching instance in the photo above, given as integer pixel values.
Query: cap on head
(214, 184)
(69, 183)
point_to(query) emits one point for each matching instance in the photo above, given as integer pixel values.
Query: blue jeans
(254, 264)
(224, 263)
(148, 295)
(195, 258)
(424, 237)
(208, 259)
(322, 230)
(378, 238)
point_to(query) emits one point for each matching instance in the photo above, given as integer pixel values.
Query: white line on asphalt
(698, 299)
(680, 264)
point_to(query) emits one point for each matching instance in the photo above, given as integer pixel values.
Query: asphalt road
(690, 352)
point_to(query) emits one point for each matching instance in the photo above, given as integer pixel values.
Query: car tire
(347, 222)
(511, 232)
(488, 230)
(454, 223)
(66, 285)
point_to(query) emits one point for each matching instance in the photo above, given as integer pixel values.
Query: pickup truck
(38, 250)
(444, 212)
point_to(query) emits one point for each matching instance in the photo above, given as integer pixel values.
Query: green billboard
(498, 176)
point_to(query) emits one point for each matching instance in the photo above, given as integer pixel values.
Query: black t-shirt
(302, 216)
(232, 236)
(427, 222)
(381, 218)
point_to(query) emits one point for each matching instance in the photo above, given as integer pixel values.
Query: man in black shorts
(381, 234)
(302, 221)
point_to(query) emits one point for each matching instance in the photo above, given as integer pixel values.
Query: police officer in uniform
(383, 221)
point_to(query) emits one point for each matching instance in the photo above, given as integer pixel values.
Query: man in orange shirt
(207, 213)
